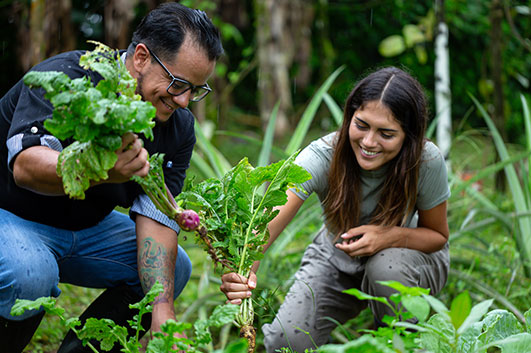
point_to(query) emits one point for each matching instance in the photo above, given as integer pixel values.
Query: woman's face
(375, 135)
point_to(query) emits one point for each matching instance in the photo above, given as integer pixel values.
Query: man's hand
(237, 287)
(132, 160)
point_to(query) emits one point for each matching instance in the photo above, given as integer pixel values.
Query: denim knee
(26, 278)
(183, 271)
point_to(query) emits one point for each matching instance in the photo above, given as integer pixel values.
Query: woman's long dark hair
(404, 97)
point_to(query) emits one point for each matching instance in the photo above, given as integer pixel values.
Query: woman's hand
(237, 287)
(366, 240)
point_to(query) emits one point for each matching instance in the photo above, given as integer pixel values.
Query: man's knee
(26, 279)
(183, 271)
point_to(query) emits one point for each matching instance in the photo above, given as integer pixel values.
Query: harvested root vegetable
(249, 333)
(235, 211)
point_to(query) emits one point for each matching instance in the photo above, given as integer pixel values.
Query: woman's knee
(278, 336)
(391, 265)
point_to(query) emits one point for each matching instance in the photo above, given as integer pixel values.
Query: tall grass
(519, 188)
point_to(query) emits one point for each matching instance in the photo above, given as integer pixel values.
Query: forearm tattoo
(156, 263)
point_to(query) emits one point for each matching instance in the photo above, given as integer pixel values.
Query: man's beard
(140, 91)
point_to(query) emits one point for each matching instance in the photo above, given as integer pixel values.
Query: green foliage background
(484, 224)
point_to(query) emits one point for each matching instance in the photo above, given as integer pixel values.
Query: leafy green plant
(236, 212)
(461, 328)
(108, 333)
(96, 118)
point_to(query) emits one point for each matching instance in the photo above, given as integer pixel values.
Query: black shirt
(22, 113)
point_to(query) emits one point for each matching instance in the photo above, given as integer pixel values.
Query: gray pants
(317, 291)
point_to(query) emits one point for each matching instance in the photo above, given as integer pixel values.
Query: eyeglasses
(179, 86)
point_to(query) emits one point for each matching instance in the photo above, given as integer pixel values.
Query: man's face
(191, 64)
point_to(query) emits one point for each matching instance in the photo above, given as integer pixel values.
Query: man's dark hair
(164, 29)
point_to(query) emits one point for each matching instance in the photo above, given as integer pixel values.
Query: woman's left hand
(365, 240)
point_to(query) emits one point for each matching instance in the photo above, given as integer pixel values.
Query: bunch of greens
(96, 118)
(236, 210)
(108, 333)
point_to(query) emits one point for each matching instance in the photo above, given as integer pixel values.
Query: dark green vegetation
(487, 223)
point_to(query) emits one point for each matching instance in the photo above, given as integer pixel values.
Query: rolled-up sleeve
(145, 207)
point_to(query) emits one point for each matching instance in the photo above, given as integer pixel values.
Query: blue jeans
(34, 258)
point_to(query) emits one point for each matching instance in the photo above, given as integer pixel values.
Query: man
(47, 238)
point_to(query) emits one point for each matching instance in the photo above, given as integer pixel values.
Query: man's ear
(141, 57)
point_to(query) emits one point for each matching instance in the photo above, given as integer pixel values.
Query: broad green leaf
(440, 337)
(439, 307)
(460, 309)
(518, 343)
(417, 306)
(392, 46)
(527, 316)
(469, 340)
(223, 314)
(477, 312)
(499, 324)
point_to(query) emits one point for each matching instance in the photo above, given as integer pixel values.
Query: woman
(383, 188)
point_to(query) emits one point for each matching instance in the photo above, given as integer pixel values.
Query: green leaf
(399, 287)
(239, 346)
(363, 296)
(470, 340)
(440, 337)
(223, 314)
(500, 324)
(412, 35)
(460, 308)
(417, 306)
(439, 307)
(22, 305)
(518, 343)
(527, 316)
(476, 314)
(103, 330)
(297, 139)
(93, 115)
(392, 46)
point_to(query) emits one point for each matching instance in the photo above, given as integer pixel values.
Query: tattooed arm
(157, 252)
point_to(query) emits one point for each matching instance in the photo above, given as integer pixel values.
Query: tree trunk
(498, 113)
(44, 29)
(443, 94)
(283, 34)
(118, 15)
